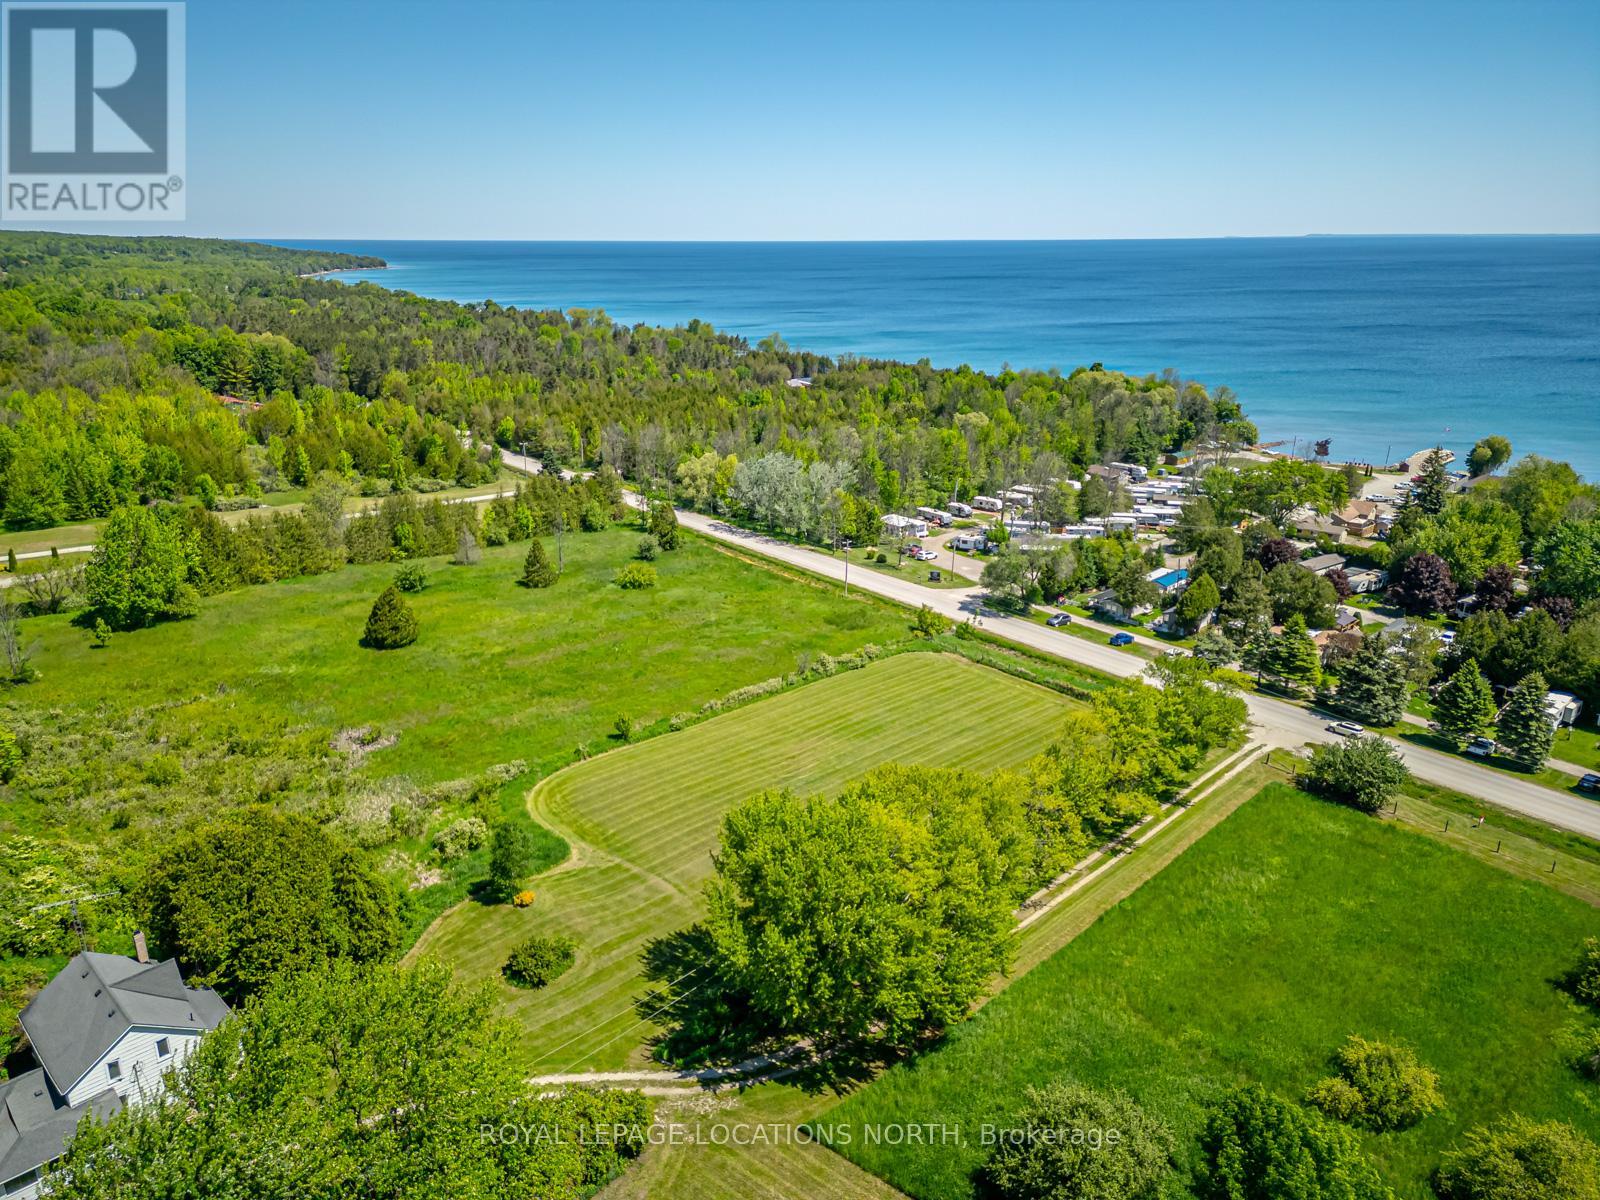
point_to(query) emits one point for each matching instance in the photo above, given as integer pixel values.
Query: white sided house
(105, 1031)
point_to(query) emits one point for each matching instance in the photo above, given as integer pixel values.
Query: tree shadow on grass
(706, 1022)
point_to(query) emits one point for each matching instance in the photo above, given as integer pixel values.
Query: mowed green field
(1290, 926)
(644, 819)
(500, 672)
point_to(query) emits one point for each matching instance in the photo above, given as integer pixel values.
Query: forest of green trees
(139, 369)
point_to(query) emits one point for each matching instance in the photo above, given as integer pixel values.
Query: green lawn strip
(1578, 744)
(643, 820)
(1524, 848)
(1137, 649)
(744, 1146)
(29, 541)
(913, 571)
(1292, 925)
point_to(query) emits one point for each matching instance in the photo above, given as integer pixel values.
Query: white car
(927, 555)
(1347, 729)
(1480, 747)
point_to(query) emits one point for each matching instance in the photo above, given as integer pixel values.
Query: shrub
(411, 577)
(636, 575)
(648, 549)
(391, 624)
(1256, 1146)
(539, 960)
(624, 727)
(1379, 1086)
(460, 837)
(1517, 1158)
(929, 624)
(680, 720)
(185, 603)
(537, 569)
(1580, 1049)
(1071, 1142)
(101, 637)
(10, 755)
(882, 557)
(523, 899)
(1586, 977)
(1363, 772)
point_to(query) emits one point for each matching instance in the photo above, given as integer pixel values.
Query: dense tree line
(154, 564)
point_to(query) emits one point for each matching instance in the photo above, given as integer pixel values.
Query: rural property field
(500, 672)
(643, 820)
(1288, 927)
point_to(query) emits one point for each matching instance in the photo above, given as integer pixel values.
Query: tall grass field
(1290, 926)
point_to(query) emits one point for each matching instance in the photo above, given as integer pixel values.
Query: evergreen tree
(1464, 707)
(1434, 485)
(1292, 655)
(467, 552)
(664, 525)
(537, 570)
(1247, 613)
(1372, 686)
(391, 624)
(1524, 727)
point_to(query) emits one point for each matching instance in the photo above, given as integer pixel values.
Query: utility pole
(72, 905)
(846, 566)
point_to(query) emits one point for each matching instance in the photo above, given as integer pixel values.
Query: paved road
(1276, 723)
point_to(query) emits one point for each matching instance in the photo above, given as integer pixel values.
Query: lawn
(1290, 926)
(499, 673)
(643, 820)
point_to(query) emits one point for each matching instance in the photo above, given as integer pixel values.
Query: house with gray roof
(105, 1031)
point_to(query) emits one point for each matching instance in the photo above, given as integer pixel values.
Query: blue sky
(890, 120)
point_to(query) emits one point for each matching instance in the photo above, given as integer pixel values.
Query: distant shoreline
(339, 271)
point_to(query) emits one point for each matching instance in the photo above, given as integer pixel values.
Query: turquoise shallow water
(1384, 344)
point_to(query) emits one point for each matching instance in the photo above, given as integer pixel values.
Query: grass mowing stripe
(644, 818)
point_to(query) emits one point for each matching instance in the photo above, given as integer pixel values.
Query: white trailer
(898, 526)
(988, 504)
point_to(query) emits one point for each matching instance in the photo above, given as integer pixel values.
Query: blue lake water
(1383, 344)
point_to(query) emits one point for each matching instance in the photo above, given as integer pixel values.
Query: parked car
(1057, 620)
(1480, 747)
(1589, 783)
(1447, 638)
(1347, 729)
(1122, 639)
(927, 555)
